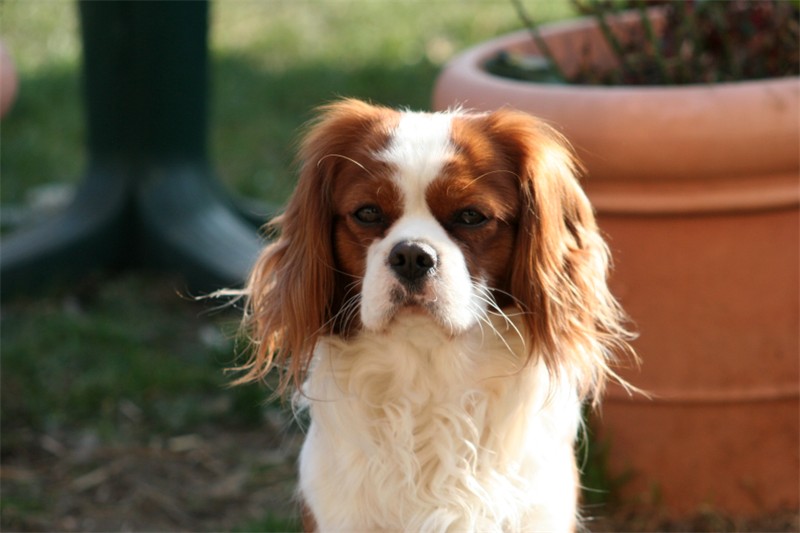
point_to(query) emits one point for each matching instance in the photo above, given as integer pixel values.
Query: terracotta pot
(8, 80)
(696, 188)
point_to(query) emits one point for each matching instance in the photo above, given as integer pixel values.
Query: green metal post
(149, 197)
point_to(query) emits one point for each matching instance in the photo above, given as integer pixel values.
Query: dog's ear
(561, 262)
(291, 289)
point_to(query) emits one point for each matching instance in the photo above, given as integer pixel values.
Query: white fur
(413, 430)
(432, 421)
(452, 298)
(419, 149)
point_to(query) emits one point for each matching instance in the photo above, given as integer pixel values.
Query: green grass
(270, 523)
(84, 356)
(273, 62)
(76, 358)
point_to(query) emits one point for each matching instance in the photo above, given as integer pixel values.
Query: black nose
(412, 260)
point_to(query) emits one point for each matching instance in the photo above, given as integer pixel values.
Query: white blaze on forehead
(419, 148)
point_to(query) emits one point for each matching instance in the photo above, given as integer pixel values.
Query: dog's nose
(412, 260)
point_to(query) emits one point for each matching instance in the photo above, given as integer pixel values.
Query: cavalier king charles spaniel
(436, 296)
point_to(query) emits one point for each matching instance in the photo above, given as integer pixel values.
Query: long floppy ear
(291, 289)
(561, 262)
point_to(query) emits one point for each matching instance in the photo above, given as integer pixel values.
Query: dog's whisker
(346, 158)
(426, 347)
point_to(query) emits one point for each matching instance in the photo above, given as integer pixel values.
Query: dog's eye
(369, 215)
(470, 217)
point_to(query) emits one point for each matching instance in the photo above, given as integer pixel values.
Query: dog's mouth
(420, 299)
(430, 300)
(412, 310)
(423, 302)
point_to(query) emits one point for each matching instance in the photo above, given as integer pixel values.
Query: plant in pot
(686, 116)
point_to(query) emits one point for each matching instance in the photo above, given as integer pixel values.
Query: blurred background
(115, 411)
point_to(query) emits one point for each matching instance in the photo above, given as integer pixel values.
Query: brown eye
(369, 215)
(470, 217)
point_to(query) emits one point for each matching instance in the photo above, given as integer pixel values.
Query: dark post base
(175, 219)
(149, 198)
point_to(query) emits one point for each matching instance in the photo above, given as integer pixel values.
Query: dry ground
(212, 480)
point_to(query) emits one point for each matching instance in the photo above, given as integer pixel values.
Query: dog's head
(450, 215)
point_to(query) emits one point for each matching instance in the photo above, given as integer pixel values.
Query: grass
(94, 356)
(80, 356)
(278, 61)
(273, 62)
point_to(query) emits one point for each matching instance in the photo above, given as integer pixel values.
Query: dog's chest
(422, 433)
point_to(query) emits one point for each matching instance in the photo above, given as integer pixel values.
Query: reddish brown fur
(293, 291)
(371, 185)
(558, 276)
(482, 177)
(540, 249)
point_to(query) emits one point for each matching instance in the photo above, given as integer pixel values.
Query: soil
(214, 480)
(217, 479)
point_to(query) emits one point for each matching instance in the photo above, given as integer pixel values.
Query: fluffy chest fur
(412, 430)
(437, 291)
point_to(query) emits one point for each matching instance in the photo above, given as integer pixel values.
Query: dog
(435, 295)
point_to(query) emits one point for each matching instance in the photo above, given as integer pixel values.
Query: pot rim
(724, 131)
(476, 57)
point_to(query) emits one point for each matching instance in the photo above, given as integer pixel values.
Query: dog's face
(425, 223)
(448, 215)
